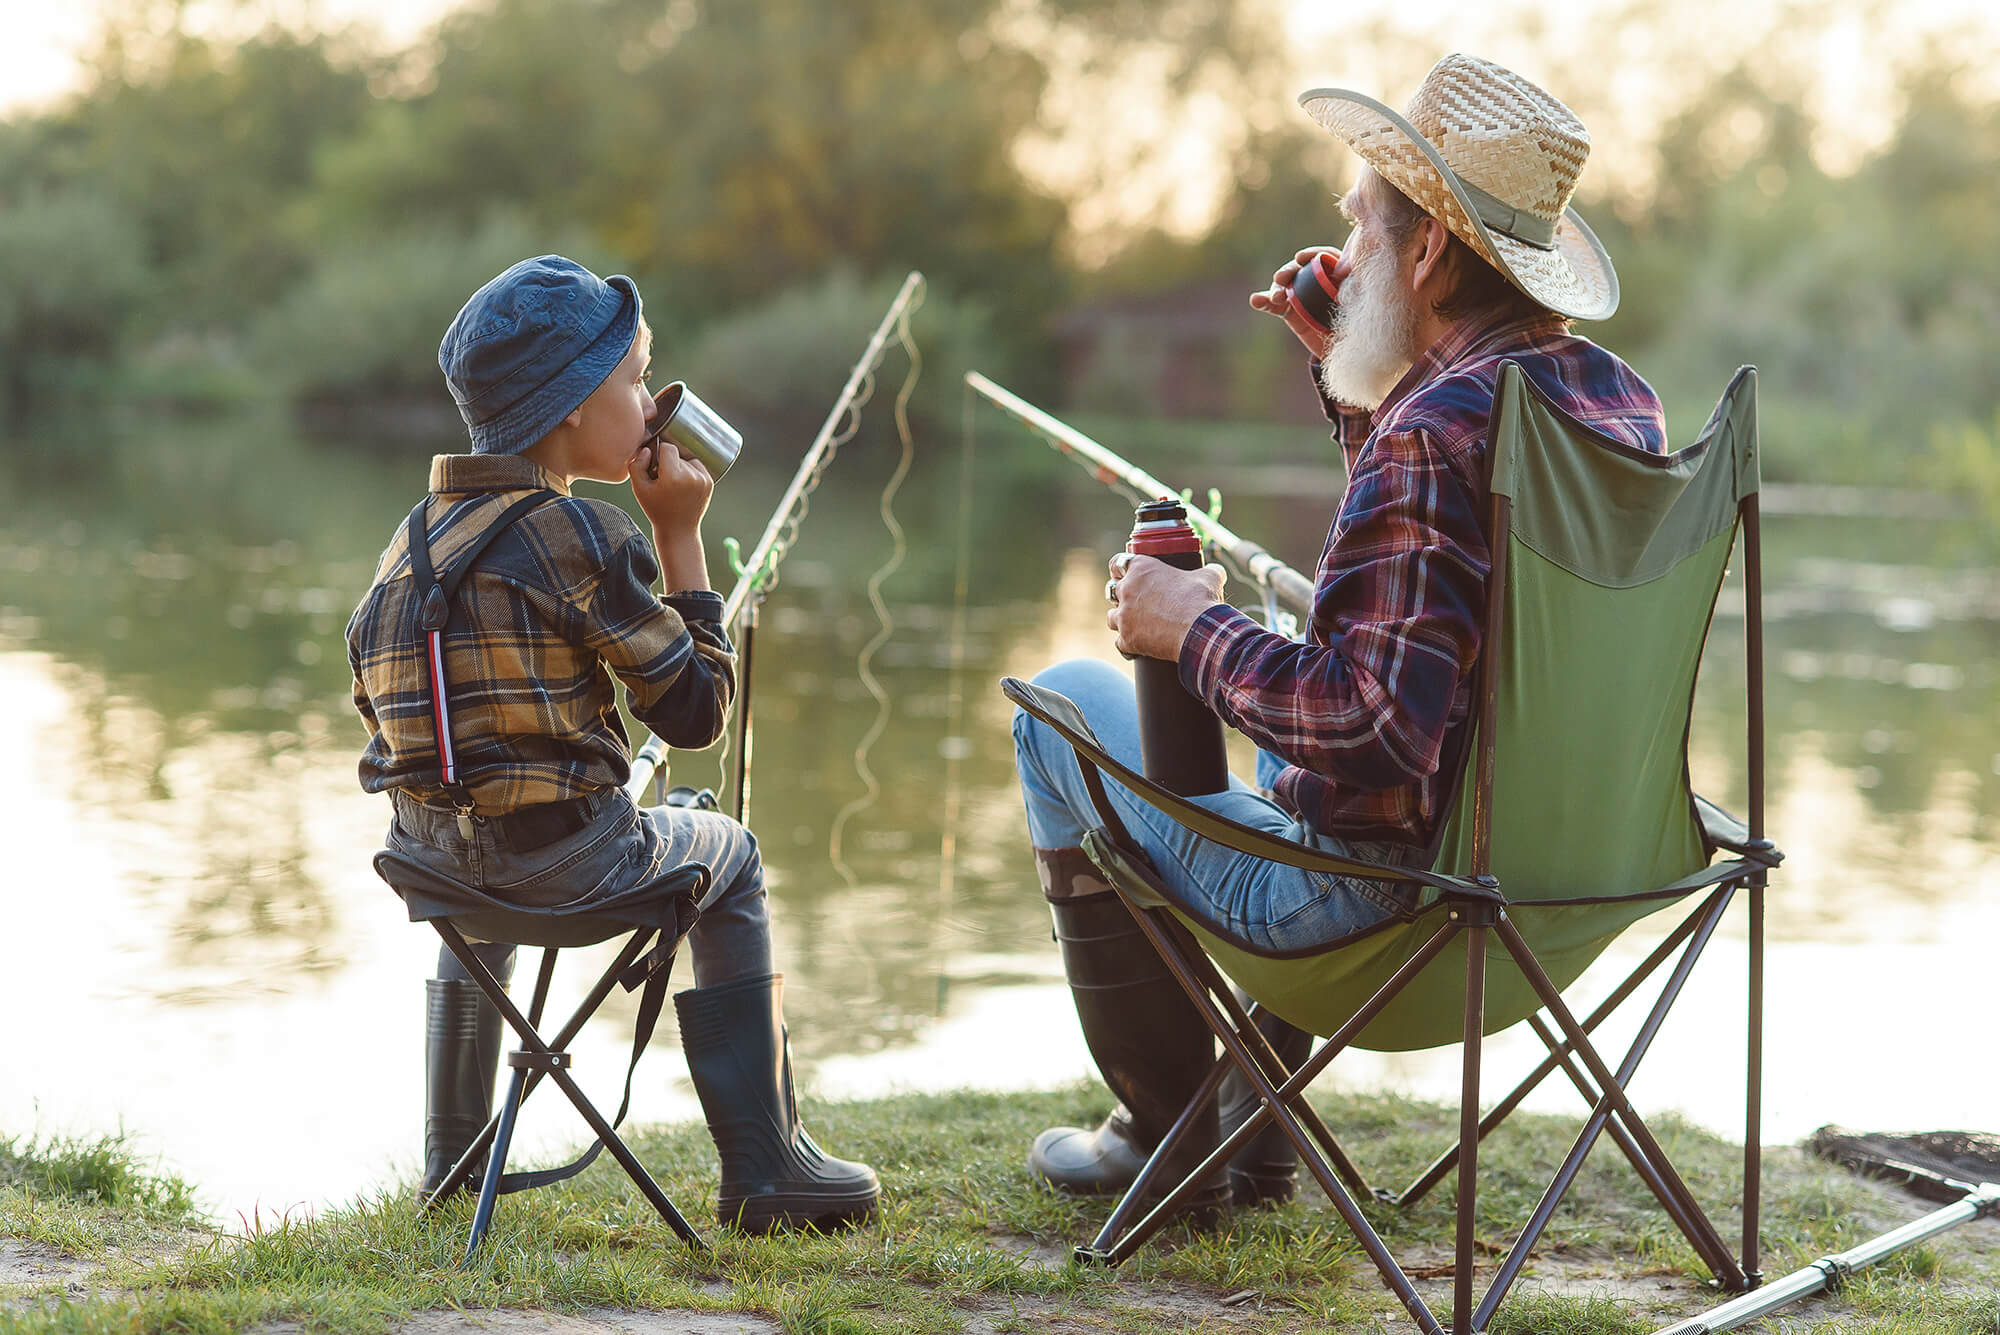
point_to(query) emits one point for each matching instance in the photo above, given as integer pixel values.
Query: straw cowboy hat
(1495, 159)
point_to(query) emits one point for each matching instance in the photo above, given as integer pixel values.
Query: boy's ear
(575, 418)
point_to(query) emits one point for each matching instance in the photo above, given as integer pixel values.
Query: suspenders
(435, 616)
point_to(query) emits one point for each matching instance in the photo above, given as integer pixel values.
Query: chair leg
(1658, 1176)
(1277, 1101)
(496, 1164)
(1705, 1240)
(1753, 1095)
(628, 1161)
(1462, 1320)
(1441, 1166)
(545, 1059)
(461, 1172)
(1108, 1239)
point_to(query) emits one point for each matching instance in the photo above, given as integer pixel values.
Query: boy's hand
(675, 499)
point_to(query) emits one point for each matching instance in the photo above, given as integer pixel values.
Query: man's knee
(1082, 681)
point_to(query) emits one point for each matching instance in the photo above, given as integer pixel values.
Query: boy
(517, 787)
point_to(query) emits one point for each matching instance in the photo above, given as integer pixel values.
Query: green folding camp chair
(1573, 819)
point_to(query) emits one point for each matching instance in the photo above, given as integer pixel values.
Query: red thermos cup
(1180, 737)
(1312, 291)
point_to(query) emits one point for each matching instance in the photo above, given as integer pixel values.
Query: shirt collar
(1461, 343)
(491, 472)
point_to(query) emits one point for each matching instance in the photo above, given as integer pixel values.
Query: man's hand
(1155, 603)
(1277, 300)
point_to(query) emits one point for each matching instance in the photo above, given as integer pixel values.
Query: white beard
(1373, 343)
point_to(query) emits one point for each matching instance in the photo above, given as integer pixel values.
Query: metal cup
(696, 428)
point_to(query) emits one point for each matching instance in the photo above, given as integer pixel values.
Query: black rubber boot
(1148, 1040)
(461, 1057)
(1266, 1171)
(740, 1058)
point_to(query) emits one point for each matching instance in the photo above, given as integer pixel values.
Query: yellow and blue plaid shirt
(554, 609)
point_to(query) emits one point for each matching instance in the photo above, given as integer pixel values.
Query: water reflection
(191, 849)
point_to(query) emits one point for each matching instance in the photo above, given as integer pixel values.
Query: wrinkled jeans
(1272, 906)
(623, 845)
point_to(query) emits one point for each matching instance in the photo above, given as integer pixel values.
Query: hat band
(1507, 220)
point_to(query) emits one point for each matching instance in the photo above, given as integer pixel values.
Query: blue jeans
(1270, 905)
(623, 844)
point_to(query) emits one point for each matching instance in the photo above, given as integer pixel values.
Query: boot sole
(767, 1214)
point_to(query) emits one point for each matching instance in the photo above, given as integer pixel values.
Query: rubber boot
(1148, 1040)
(1266, 1171)
(739, 1055)
(461, 1057)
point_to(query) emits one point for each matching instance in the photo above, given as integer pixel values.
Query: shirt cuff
(1210, 643)
(696, 604)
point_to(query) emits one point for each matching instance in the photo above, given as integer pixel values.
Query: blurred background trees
(297, 213)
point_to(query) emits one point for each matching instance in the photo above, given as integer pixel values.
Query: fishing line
(955, 744)
(885, 623)
(759, 574)
(767, 578)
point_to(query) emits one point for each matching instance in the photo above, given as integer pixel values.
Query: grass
(90, 1198)
(965, 1233)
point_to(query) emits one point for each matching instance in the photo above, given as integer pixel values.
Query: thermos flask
(1180, 737)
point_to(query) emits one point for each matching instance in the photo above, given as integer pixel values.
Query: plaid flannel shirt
(555, 607)
(1367, 708)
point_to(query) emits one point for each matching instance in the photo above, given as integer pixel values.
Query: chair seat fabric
(667, 902)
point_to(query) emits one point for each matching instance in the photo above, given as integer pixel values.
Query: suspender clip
(437, 609)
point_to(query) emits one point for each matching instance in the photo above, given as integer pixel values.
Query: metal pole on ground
(1828, 1273)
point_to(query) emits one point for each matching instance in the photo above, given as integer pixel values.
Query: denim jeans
(1267, 904)
(623, 845)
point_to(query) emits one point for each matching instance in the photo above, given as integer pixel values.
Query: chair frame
(536, 1057)
(1476, 908)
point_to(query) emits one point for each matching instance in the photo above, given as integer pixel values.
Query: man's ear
(575, 418)
(1432, 252)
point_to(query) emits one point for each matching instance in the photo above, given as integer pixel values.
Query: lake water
(198, 952)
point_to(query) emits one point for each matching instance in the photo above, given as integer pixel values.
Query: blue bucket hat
(531, 345)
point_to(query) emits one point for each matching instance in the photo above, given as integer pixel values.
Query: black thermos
(1180, 737)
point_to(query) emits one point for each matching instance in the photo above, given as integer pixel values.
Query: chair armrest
(1058, 711)
(1723, 830)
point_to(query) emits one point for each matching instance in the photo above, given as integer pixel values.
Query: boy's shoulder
(596, 526)
(558, 542)
(564, 545)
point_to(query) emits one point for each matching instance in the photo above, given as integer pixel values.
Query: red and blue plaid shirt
(1366, 709)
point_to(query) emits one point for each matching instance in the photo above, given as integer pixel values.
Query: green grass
(965, 1232)
(89, 1198)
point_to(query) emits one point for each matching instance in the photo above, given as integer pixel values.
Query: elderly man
(1464, 254)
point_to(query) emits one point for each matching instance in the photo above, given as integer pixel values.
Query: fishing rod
(1282, 585)
(757, 576)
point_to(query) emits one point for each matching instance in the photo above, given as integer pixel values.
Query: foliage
(366, 323)
(203, 146)
(252, 186)
(780, 365)
(70, 273)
